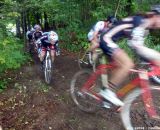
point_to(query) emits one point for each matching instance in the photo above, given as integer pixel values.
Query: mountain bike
(141, 97)
(47, 66)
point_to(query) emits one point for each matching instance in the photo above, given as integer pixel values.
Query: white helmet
(52, 36)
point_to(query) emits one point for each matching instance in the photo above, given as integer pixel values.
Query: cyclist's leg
(123, 63)
(42, 54)
(52, 52)
(121, 59)
(149, 54)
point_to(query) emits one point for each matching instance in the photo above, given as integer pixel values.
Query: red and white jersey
(99, 27)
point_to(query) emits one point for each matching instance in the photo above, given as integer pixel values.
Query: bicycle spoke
(84, 100)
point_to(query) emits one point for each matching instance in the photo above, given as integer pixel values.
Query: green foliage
(123, 44)
(11, 54)
(152, 41)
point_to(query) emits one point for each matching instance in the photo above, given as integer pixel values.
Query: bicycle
(47, 66)
(85, 94)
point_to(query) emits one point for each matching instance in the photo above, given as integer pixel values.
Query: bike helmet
(156, 9)
(37, 27)
(112, 19)
(52, 36)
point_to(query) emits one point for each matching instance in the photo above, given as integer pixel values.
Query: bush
(73, 38)
(11, 55)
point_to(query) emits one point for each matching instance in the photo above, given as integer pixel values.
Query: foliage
(11, 56)
(72, 19)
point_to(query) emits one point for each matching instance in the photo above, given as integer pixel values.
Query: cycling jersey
(128, 27)
(44, 40)
(99, 27)
(29, 34)
(37, 35)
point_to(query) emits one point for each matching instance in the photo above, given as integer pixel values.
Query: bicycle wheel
(84, 101)
(134, 115)
(48, 70)
(84, 60)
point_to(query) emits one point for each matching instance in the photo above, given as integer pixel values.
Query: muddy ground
(30, 104)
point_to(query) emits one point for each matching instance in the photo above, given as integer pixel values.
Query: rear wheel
(134, 114)
(84, 100)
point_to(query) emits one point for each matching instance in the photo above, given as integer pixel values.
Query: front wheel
(84, 100)
(84, 60)
(134, 115)
(48, 70)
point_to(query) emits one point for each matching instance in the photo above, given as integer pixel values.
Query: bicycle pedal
(106, 105)
(80, 93)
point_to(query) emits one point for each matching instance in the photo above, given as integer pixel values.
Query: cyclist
(29, 35)
(48, 39)
(38, 32)
(134, 28)
(96, 30)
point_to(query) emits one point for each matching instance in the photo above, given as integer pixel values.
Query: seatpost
(104, 75)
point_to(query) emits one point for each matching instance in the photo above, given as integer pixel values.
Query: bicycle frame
(141, 80)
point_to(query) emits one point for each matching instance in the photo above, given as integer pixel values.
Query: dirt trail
(30, 104)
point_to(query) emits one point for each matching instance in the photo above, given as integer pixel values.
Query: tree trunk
(18, 25)
(24, 27)
(28, 21)
(37, 17)
(46, 24)
(129, 7)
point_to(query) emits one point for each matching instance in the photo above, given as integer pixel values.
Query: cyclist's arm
(94, 42)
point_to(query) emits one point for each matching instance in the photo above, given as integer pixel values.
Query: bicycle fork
(47, 58)
(104, 76)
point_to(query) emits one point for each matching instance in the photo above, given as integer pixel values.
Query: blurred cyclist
(134, 28)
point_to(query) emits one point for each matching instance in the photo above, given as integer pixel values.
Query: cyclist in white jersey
(96, 30)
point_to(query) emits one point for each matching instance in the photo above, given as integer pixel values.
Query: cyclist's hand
(57, 52)
(38, 42)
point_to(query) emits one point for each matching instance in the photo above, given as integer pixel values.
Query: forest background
(71, 19)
